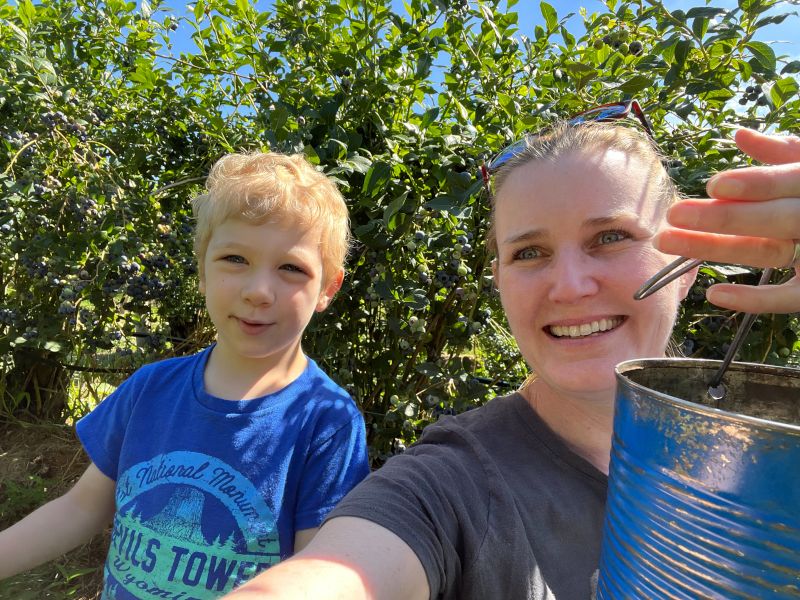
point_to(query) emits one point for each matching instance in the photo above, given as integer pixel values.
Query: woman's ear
(496, 274)
(686, 282)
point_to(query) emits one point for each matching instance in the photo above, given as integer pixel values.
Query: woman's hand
(752, 218)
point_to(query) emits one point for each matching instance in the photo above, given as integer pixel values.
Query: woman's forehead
(583, 185)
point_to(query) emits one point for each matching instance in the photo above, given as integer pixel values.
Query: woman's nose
(573, 276)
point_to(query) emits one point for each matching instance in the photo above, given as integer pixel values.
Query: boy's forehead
(234, 231)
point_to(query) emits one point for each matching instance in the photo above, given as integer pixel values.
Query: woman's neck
(584, 423)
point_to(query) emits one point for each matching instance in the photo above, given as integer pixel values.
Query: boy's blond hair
(265, 185)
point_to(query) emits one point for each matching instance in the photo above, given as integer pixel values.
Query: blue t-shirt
(210, 492)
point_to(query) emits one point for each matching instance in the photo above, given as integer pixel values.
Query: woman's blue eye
(527, 254)
(609, 237)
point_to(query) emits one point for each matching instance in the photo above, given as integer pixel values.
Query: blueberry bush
(107, 129)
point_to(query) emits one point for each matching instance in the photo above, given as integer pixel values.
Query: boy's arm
(348, 559)
(59, 525)
(303, 537)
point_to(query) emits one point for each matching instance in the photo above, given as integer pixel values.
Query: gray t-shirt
(494, 505)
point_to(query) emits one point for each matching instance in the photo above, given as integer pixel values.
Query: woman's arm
(348, 559)
(757, 211)
(59, 525)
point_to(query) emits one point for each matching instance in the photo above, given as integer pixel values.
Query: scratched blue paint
(702, 502)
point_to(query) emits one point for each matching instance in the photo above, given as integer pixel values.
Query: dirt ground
(39, 463)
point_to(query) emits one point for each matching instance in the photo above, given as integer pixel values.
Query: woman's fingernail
(684, 215)
(725, 187)
(716, 296)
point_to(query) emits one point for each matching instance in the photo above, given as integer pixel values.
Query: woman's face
(574, 243)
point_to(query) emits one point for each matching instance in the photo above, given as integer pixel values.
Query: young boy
(216, 466)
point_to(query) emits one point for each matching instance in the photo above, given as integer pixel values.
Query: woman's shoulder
(486, 417)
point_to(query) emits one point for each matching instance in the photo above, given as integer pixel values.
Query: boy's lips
(252, 327)
(584, 328)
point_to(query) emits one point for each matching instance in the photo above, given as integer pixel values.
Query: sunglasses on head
(605, 112)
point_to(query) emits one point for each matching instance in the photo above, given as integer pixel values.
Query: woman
(507, 501)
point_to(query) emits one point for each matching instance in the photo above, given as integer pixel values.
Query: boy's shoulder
(323, 394)
(170, 369)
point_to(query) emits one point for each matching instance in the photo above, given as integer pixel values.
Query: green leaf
(507, 102)
(462, 111)
(764, 54)
(52, 347)
(636, 84)
(394, 206)
(700, 26)
(704, 12)
(358, 163)
(199, 10)
(27, 12)
(377, 177)
(429, 116)
(783, 90)
(311, 154)
(682, 51)
(792, 67)
(550, 15)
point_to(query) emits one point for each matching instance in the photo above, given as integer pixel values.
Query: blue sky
(785, 35)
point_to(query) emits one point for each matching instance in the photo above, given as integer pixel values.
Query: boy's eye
(609, 237)
(292, 268)
(527, 254)
(234, 258)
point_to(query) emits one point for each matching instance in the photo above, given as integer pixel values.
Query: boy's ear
(329, 291)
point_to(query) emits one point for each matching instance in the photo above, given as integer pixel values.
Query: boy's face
(262, 283)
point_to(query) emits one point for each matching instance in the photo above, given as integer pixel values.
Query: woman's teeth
(585, 329)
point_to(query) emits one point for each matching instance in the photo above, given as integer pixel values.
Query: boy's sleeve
(332, 469)
(102, 431)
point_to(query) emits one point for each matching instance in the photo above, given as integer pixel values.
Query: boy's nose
(573, 277)
(259, 290)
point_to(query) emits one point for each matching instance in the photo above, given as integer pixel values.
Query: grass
(39, 462)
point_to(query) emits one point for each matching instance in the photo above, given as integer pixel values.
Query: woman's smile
(589, 328)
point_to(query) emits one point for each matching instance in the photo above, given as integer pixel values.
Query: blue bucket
(703, 501)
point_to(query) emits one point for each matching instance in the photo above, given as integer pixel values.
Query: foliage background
(107, 132)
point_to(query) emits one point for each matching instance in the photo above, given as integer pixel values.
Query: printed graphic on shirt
(188, 526)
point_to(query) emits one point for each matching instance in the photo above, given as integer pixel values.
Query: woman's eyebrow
(525, 236)
(537, 234)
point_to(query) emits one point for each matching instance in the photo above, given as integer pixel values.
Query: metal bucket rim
(640, 363)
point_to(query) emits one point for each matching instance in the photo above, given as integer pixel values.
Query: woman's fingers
(778, 218)
(752, 251)
(753, 218)
(768, 149)
(756, 183)
(761, 183)
(783, 298)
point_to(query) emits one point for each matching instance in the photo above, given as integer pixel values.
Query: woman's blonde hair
(563, 139)
(267, 185)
